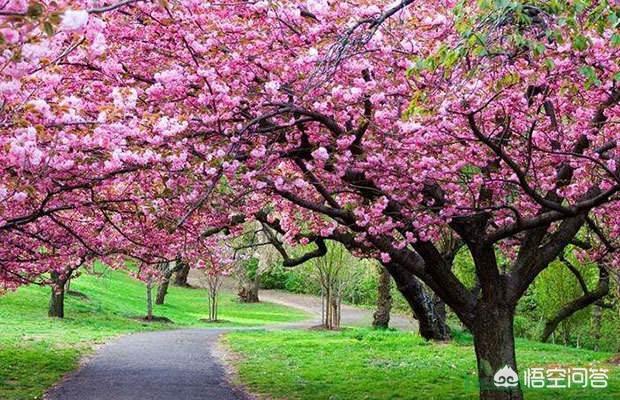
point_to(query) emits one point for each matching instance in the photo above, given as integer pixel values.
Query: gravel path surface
(180, 364)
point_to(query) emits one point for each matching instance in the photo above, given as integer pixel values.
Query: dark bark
(381, 317)
(169, 269)
(587, 299)
(432, 324)
(57, 298)
(162, 290)
(495, 350)
(181, 276)
(248, 294)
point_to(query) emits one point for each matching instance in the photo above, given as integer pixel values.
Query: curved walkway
(351, 315)
(179, 364)
(166, 365)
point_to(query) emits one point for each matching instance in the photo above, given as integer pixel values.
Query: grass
(358, 364)
(35, 351)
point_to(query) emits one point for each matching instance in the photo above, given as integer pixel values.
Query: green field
(358, 364)
(35, 351)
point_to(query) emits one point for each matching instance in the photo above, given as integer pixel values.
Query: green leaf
(549, 64)
(615, 40)
(580, 42)
(35, 10)
(48, 28)
(591, 76)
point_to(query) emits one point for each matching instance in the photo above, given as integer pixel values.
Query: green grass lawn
(358, 364)
(35, 351)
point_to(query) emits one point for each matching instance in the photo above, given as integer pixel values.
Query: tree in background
(214, 270)
(381, 316)
(333, 274)
(247, 275)
(213, 282)
(169, 269)
(181, 275)
(255, 255)
(565, 293)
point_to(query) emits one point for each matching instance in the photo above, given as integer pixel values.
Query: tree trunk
(248, 293)
(149, 299)
(381, 317)
(181, 276)
(431, 322)
(495, 353)
(162, 291)
(212, 308)
(57, 298)
(335, 313)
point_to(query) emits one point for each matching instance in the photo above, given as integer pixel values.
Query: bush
(274, 278)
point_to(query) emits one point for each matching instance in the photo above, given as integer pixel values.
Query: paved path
(168, 365)
(351, 316)
(179, 364)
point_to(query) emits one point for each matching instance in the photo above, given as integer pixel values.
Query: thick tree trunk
(431, 321)
(381, 317)
(181, 276)
(248, 291)
(495, 353)
(162, 290)
(57, 298)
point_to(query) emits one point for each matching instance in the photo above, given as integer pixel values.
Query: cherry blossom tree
(403, 131)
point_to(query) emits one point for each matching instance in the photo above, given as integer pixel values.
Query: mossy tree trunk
(181, 276)
(381, 317)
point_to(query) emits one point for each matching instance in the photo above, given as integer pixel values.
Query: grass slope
(359, 364)
(35, 351)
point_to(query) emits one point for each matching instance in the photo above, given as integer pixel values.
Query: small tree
(213, 281)
(218, 267)
(332, 274)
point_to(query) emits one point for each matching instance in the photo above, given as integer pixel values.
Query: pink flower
(320, 154)
(272, 87)
(73, 20)
(10, 36)
(258, 152)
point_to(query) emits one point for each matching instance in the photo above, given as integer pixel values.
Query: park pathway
(167, 365)
(180, 364)
(351, 315)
